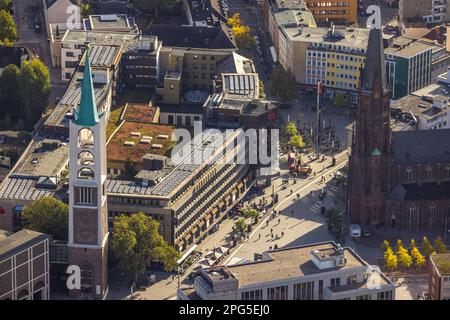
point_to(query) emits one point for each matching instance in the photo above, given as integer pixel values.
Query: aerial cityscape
(198, 150)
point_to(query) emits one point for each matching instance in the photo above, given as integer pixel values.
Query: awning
(228, 197)
(222, 204)
(234, 191)
(187, 236)
(186, 254)
(201, 223)
(209, 215)
(194, 230)
(240, 185)
(215, 211)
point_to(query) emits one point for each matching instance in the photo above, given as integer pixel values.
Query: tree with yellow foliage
(390, 259)
(241, 32)
(427, 247)
(439, 245)
(403, 255)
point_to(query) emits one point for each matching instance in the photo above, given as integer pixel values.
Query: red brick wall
(85, 225)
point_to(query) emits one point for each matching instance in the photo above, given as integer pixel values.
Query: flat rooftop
(406, 48)
(141, 112)
(290, 263)
(442, 262)
(129, 41)
(13, 243)
(41, 161)
(118, 152)
(109, 21)
(175, 175)
(71, 99)
(418, 106)
(351, 38)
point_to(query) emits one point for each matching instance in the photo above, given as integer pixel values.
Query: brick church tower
(371, 143)
(88, 227)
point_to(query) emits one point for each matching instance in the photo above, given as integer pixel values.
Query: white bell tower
(88, 213)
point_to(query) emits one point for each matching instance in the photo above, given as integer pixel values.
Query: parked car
(37, 26)
(367, 233)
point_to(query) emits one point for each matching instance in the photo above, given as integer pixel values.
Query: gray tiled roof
(421, 146)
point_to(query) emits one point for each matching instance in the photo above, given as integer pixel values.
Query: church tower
(88, 227)
(371, 143)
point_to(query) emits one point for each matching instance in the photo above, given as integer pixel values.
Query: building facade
(321, 271)
(328, 12)
(439, 277)
(408, 66)
(24, 266)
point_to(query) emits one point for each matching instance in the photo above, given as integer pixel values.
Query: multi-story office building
(422, 12)
(24, 265)
(328, 12)
(285, 14)
(408, 66)
(139, 59)
(320, 271)
(189, 59)
(439, 277)
(333, 56)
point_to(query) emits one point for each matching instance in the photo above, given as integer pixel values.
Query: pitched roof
(49, 3)
(424, 191)
(421, 146)
(86, 114)
(375, 69)
(193, 37)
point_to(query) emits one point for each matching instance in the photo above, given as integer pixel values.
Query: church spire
(375, 68)
(87, 114)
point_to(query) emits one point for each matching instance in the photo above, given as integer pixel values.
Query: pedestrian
(292, 212)
(267, 223)
(279, 220)
(271, 231)
(282, 233)
(259, 238)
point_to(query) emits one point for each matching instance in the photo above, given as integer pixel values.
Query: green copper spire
(86, 114)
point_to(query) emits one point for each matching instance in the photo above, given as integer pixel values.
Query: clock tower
(88, 224)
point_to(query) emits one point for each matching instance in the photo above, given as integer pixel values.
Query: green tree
(35, 87)
(291, 128)
(282, 84)
(439, 246)
(240, 227)
(251, 213)
(10, 94)
(136, 242)
(8, 30)
(427, 247)
(86, 10)
(340, 100)
(5, 5)
(296, 141)
(154, 6)
(130, 170)
(47, 215)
